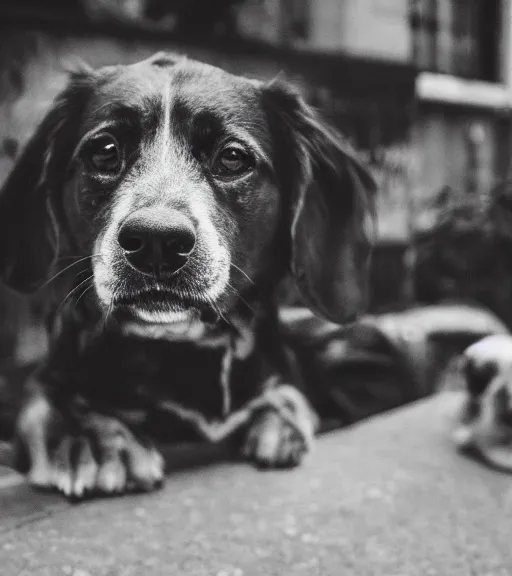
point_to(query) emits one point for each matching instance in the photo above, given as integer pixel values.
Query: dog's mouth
(162, 305)
(151, 296)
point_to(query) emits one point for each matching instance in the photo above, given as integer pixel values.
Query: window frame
(451, 89)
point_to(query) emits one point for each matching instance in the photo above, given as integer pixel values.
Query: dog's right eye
(104, 154)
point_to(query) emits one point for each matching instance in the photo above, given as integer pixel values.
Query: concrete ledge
(448, 89)
(386, 497)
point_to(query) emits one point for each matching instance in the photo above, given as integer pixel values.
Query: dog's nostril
(181, 245)
(130, 243)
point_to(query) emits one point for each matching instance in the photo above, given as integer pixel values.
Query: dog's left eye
(104, 154)
(232, 161)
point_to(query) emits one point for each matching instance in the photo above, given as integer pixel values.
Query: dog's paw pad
(272, 442)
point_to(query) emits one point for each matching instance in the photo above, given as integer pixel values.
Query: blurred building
(453, 137)
(461, 54)
(369, 86)
(422, 87)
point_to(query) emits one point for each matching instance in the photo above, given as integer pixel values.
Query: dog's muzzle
(157, 242)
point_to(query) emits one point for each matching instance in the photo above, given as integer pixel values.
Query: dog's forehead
(189, 86)
(204, 86)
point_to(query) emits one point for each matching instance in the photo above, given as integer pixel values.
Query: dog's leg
(34, 425)
(94, 453)
(282, 432)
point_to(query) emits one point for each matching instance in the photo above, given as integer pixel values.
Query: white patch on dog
(495, 350)
(166, 125)
(220, 256)
(103, 277)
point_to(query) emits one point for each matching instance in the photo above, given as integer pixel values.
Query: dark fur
(112, 380)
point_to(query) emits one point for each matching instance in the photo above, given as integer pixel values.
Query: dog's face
(173, 176)
(185, 186)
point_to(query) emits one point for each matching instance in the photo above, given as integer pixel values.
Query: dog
(158, 207)
(484, 426)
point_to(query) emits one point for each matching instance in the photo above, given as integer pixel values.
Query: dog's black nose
(157, 242)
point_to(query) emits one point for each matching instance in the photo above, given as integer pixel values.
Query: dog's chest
(160, 378)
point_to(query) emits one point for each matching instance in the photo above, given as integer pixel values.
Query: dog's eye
(233, 160)
(104, 154)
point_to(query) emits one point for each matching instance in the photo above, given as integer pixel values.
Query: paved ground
(389, 497)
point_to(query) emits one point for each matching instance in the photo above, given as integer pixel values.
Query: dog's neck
(235, 328)
(235, 331)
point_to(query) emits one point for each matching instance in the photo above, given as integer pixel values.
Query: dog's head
(184, 187)
(483, 425)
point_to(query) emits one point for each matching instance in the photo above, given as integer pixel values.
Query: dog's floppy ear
(29, 234)
(331, 196)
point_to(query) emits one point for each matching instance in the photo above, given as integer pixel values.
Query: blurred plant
(467, 252)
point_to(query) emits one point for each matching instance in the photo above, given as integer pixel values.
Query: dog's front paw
(100, 457)
(281, 433)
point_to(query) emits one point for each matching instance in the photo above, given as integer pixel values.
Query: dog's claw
(86, 470)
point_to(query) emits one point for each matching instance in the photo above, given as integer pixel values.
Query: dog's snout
(157, 242)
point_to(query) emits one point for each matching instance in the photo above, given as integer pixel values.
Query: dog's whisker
(242, 272)
(238, 295)
(83, 294)
(217, 309)
(110, 309)
(70, 256)
(82, 272)
(83, 259)
(72, 291)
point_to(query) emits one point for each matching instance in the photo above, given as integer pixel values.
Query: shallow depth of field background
(422, 88)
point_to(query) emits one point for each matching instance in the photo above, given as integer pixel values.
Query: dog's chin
(164, 307)
(174, 317)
